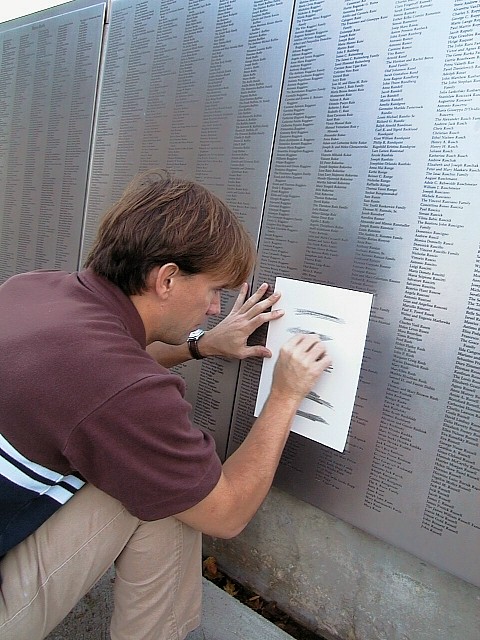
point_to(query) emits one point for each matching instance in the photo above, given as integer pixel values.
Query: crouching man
(99, 462)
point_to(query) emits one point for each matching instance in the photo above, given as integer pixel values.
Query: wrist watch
(192, 342)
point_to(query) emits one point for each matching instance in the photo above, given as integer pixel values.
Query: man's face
(193, 298)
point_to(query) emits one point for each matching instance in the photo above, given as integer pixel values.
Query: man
(99, 461)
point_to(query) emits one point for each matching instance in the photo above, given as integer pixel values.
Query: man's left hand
(229, 337)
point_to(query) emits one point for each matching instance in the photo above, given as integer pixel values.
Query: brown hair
(160, 219)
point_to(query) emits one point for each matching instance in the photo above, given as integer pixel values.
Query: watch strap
(192, 343)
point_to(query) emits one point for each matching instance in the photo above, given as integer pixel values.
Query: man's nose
(215, 306)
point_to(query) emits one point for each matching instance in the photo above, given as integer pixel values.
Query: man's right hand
(301, 361)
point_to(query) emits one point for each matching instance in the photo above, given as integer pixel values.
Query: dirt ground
(268, 610)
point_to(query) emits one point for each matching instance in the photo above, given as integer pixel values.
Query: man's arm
(229, 337)
(248, 473)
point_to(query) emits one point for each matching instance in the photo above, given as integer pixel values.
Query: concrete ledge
(224, 617)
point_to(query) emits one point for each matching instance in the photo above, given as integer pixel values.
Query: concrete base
(343, 583)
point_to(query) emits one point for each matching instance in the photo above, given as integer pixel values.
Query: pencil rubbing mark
(322, 336)
(311, 416)
(319, 314)
(316, 398)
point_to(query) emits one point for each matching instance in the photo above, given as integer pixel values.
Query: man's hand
(229, 337)
(300, 362)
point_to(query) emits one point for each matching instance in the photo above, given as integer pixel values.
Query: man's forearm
(248, 473)
(251, 468)
(169, 355)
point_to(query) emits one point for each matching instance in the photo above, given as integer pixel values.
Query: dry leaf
(210, 568)
(255, 603)
(230, 588)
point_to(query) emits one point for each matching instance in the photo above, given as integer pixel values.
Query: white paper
(340, 318)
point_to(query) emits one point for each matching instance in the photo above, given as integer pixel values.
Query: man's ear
(165, 279)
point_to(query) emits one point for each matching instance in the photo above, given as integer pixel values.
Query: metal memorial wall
(346, 136)
(374, 185)
(49, 66)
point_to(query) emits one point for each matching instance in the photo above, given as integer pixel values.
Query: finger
(257, 320)
(314, 343)
(297, 340)
(242, 294)
(256, 351)
(255, 297)
(319, 351)
(261, 306)
(307, 340)
(307, 343)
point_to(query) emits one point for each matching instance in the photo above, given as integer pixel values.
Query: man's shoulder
(34, 278)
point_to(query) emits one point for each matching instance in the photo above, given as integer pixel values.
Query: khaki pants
(158, 588)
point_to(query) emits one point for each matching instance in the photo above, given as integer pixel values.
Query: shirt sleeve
(141, 448)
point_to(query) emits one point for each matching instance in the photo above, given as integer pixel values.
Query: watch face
(196, 334)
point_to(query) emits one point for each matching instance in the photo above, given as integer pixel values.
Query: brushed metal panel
(193, 87)
(48, 75)
(374, 186)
